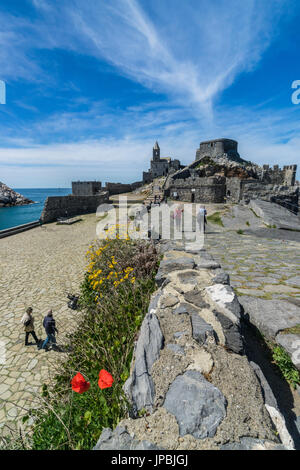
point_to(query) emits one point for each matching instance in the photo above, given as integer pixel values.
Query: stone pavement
(37, 268)
(261, 267)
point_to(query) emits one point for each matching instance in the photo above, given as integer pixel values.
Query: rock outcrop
(9, 197)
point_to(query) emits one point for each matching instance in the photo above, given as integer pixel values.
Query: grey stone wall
(210, 189)
(214, 148)
(86, 188)
(118, 188)
(69, 206)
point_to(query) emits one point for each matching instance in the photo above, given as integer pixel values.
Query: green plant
(248, 223)
(240, 232)
(287, 368)
(112, 313)
(215, 219)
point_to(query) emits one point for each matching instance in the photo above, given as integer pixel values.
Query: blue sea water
(13, 216)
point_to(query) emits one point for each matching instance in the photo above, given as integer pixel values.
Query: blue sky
(92, 84)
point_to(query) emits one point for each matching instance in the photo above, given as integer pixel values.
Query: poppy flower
(79, 384)
(105, 379)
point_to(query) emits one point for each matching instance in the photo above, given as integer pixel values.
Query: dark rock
(120, 439)
(195, 297)
(197, 405)
(201, 329)
(250, 443)
(232, 333)
(140, 387)
(176, 264)
(221, 277)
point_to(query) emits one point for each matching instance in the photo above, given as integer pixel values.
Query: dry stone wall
(191, 386)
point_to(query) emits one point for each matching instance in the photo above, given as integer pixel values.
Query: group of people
(48, 324)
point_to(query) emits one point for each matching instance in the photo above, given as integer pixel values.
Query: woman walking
(28, 322)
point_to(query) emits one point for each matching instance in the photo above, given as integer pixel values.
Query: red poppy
(79, 384)
(105, 379)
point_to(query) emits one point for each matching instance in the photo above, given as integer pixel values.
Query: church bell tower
(156, 152)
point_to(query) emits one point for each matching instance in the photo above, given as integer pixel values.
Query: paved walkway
(37, 268)
(261, 267)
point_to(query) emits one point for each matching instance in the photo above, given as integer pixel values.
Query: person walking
(201, 218)
(50, 328)
(28, 322)
(178, 215)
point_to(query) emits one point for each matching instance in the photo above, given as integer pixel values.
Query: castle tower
(156, 152)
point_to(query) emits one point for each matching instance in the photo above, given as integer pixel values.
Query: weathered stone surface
(168, 300)
(195, 297)
(198, 406)
(221, 277)
(201, 329)
(291, 343)
(140, 387)
(268, 395)
(176, 264)
(249, 443)
(184, 308)
(181, 309)
(175, 348)
(226, 301)
(293, 281)
(273, 214)
(272, 407)
(270, 316)
(232, 333)
(120, 439)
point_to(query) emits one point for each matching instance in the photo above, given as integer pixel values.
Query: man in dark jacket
(50, 328)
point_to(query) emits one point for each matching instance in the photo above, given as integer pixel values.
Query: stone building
(160, 166)
(220, 175)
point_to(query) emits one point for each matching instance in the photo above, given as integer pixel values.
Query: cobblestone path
(37, 268)
(261, 267)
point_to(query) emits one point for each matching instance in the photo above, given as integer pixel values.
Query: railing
(19, 228)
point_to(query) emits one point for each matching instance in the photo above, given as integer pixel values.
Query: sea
(19, 215)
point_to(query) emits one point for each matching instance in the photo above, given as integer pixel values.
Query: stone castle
(220, 175)
(160, 166)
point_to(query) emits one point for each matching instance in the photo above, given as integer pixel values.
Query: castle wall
(213, 148)
(233, 190)
(86, 188)
(69, 206)
(117, 188)
(210, 189)
(251, 189)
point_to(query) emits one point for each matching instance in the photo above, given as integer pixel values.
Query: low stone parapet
(191, 386)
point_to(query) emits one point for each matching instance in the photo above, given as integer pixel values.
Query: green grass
(254, 213)
(240, 232)
(215, 218)
(287, 368)
(248, 223)
(295, 330)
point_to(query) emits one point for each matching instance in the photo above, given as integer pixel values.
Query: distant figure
(28, 322)
(50, 328)
(201, 218)
(178, 215)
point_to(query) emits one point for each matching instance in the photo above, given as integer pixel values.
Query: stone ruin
(220, 175)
